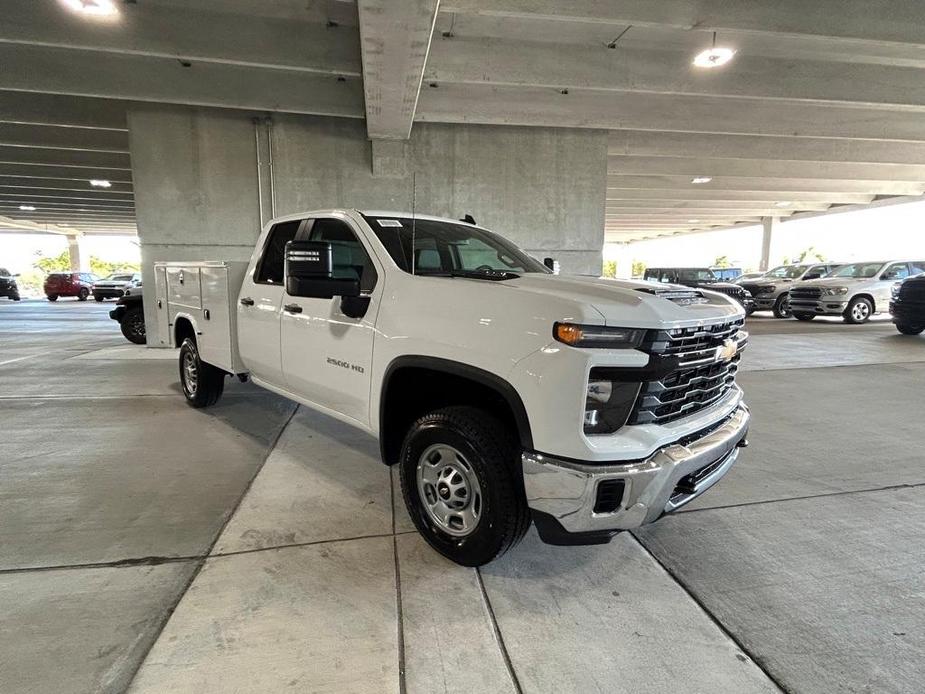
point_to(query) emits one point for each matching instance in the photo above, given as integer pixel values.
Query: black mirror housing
(310, 273)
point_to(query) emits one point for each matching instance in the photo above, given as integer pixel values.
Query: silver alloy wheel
(449, 490)
(860, 311)
(190, 372)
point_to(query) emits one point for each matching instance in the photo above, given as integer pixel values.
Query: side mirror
(552, 264)
(310, 272)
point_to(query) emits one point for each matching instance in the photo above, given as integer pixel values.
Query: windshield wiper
(493, 275)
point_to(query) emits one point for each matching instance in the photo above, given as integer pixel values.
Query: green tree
(639, 268)
(722, 261)
(810, 253)
(610, 268)
(59, 263)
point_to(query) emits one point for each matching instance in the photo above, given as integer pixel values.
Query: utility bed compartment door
(217, 341)
(183, 287)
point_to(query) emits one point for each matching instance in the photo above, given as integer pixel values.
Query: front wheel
(202, 383)
(52, 297)
(83, 294)
(859, 311)
(782, 307)
(133, 326)
(15, 296)
(907, 329)
(460, 485)
(97, 297)
(804, 316)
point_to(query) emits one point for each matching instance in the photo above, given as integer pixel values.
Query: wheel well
(869, 297)
(183, 329)
(411, 391)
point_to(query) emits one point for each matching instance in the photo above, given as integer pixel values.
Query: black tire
(209, 381)
(133, 325)
(782, 307)
(52, 297)
(804, 316)
(83, 294)
(491, 456)
(907, 329)
(97, 298)
(856, 314)
(15, 297)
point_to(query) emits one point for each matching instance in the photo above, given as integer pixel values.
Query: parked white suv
(505, 393)
(855, 291)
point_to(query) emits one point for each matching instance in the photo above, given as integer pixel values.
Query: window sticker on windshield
(389, 223)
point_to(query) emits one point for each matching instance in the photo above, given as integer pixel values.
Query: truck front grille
(701, 378)
(912, 290)
(737, 293)
(805, 294)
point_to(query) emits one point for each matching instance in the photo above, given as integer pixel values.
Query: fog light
(608, 404)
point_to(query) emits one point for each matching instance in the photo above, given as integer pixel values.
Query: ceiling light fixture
(783, 203)
(715, 56)
(94, 8)
(693, 221)
(100, 183)
(701, 179)
(27, 208)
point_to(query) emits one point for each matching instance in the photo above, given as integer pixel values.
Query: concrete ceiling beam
(395, 39)
(148, 79)
(759, 183)
(675, 144)
(64, 111)
(190, 33)
(512, 63)
(725, 197)
(28, 172)
(63, 157)
(711, 166)
(901, 21)
(47, 186)
(53, 137)
(490, 104)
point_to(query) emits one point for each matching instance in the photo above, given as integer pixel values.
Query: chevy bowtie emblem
(727, 351)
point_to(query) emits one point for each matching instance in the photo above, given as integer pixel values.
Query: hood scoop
(682, 296)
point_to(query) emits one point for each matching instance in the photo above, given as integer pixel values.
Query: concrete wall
(196, 181)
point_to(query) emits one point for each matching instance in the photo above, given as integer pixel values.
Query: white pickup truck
(505, 393)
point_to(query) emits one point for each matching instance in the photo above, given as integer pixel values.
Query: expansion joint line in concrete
(732, 637)
(497, 632)
(402, 684)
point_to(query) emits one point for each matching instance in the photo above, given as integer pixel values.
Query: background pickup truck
(504, 393)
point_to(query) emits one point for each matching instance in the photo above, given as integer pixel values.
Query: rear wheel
(782, 307)
(83, 294)
(459, 484)
(804, 316)
(133, 325)
(202, 383)
(97, 297)
(859, 311)
(52, 297)
(907, 329)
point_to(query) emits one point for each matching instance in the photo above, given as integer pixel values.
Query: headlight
(608, 403)
(767, 289)
(834, 291)
(894, 290)
(597, 336)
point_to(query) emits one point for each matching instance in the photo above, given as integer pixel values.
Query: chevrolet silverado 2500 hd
(504, 393)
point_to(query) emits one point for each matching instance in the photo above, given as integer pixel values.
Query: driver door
(326, 354)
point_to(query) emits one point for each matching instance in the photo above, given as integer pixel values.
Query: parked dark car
(701, 278)
(908, 305)
(78, 284)
(8, 286)
(130, 312)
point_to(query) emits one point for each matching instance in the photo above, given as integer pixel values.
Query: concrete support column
(78, 263)
(768, 225)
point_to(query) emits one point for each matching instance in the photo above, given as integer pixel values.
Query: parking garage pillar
(768, 225)
(78, 264)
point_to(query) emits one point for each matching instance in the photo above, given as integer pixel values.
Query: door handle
(247, 301)
(292, 308)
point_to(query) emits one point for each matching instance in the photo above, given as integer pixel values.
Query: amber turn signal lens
(569, 334)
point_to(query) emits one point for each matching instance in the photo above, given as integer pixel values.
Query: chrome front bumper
(568, 491)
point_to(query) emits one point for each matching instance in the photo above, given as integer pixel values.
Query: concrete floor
(255, 548)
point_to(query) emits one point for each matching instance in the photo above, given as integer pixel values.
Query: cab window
(270, 268)
(349, 257)
(896, 271)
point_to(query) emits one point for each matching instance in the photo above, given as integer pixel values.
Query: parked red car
(78, 284)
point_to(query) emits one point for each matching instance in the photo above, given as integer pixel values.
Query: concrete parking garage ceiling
(822, 104)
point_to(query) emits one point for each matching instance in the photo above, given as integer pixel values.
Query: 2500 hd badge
(345, 365)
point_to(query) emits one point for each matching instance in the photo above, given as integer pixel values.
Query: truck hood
(629, 303)
(837, 282)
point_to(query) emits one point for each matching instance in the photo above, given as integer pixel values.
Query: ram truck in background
(505, 394)
(772, 290)
(855, 292)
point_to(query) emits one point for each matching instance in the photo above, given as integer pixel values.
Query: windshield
(790, 272)
(120, 278)
(696, 275)
(858, 270)
(4, 272)
(446, 247)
